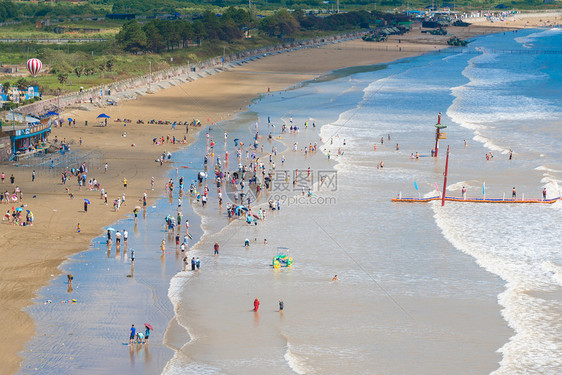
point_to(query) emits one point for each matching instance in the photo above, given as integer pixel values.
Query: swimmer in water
(335, 278)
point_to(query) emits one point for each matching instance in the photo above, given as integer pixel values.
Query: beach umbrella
(19, 209)
(110, 228)
(149, 326)
(137, 207)
(103, 115)
(52, 113)
(28, 211)
(69, 119)
(87, 201)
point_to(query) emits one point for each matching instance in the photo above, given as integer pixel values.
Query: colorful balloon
(34, 66)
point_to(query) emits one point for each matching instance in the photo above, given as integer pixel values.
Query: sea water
(424, 289)
(421, 286)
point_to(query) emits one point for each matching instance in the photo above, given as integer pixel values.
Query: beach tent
(51, 113)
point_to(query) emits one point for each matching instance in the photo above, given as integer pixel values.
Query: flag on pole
(436, 187)
(483, 188)
(416, 185)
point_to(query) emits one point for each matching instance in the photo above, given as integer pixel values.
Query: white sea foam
(297, 364)
(489, 144)
(177, 285)
(176, 366)
(555, 270)
(546, 169)
(526, 40)
(524, 261)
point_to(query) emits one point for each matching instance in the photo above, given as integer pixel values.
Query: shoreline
(122, 162)
(234, 232)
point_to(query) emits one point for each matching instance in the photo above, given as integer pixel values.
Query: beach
(32, 258)
(52, 237)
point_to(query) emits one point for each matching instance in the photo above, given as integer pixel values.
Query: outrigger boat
(476, 200)
(443, 198)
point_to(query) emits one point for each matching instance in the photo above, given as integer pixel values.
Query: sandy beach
(31, 255)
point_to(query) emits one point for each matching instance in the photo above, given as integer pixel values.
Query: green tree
(6, 86)
(79, 70)
(155, 41)
(22, 84)
(132, 37)
(280, 24)
(186, 33)
(62, 77)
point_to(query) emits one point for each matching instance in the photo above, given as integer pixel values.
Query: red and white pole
(445, 178)
(437, 135)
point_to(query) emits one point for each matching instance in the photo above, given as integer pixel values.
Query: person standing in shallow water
(256, 304)
(132, 334)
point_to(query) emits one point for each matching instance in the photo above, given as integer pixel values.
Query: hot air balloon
(34, 66)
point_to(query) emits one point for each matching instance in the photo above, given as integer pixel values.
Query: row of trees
(86, 70)
(14, 11)
(158, 35)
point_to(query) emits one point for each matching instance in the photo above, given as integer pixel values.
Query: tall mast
(445, 178)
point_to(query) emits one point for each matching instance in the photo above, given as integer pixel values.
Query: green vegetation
(176, 32)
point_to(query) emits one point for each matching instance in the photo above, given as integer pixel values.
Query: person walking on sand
(216, 248)
(281, 305)
(33, 176)
(132, 334)
(78, 228)
(513, 193)
(193, 264)
(125, 183)
(256, 304)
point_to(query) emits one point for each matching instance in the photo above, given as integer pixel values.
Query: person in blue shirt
(146, 334)
(132, 335)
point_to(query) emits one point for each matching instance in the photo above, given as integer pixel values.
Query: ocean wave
(177, 366)
(555, 270)
(547, 169)
(527, 40)
(489, 144)
(295, 363)
(524, 262)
